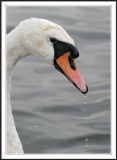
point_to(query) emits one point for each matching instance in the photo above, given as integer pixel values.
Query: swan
(51, 43)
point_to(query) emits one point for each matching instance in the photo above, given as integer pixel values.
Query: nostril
(71, 62)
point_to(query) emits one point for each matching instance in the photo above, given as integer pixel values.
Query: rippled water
(51, 115)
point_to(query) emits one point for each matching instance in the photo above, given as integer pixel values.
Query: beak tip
(86, 90)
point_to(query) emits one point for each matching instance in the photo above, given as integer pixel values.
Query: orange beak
(69, 68)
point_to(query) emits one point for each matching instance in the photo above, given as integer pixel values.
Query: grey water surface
(50, 114)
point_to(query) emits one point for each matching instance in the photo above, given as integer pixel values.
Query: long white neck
(14, 52)
(31, 36)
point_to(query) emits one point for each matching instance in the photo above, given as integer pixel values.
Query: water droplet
(84, 102)
(85, 95)
(35, 126)
(86, 139)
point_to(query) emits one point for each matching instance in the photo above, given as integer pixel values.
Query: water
(51, 115)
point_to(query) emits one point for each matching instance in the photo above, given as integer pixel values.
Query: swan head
(52, 43)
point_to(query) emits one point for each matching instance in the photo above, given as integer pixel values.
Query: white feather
(29, 37)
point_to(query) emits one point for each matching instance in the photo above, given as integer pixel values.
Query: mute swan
(51, 43)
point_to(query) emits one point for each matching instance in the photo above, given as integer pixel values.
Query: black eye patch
(62, 47)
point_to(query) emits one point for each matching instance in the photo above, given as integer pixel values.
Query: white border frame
(112, 155)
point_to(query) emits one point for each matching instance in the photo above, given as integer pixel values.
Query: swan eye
(53, 40)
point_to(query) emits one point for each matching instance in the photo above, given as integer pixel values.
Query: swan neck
(15, 51)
